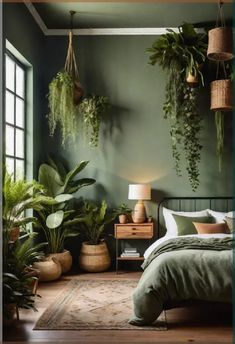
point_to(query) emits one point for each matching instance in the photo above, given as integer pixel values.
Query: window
(15, 121)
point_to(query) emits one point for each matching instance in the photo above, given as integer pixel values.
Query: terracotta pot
(64, 258)
(14, 234)
(10, 314)
(192, 80)
(78, 92)
(94, 258)
(33, 285)
(50, 270)
(123, 218)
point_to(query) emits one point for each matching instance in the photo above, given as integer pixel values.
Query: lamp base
(139, 213)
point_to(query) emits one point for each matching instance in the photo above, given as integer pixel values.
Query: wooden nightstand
(141, 231)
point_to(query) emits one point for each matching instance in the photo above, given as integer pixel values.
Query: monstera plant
(59, 220)
(182, 55)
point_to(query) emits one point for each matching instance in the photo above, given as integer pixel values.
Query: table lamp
(139, 192)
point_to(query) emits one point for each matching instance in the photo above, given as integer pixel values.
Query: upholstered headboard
(223, 204)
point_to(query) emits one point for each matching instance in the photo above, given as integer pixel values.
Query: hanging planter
(65, 93)
(221, 95)
(220, 39)
(220, 44)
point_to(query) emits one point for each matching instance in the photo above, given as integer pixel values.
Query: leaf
(54, 220)
(74, 172)
(63, 198)
(50, 179)
(78, 184)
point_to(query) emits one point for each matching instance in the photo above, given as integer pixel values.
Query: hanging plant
(65, 93)
(63, 110)
(92, 108)
(182, 54)
(219, 123)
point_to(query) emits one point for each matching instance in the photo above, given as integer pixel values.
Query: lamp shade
(139, 191)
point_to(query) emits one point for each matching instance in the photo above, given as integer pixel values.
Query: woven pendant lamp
(220, 39)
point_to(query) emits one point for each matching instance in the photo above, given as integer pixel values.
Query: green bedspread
(183, 269)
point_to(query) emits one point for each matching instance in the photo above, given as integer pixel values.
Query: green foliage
(58, 220)
(63, 110)
(92, 109)
(17, 259)
(123, 209)
(219, 123)
(19, 196)
(179, 54)
(93, 219)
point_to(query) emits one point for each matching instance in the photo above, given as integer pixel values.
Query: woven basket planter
(221, 95)
(220, 44)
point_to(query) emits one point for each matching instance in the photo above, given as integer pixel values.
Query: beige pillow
(211, 228)
(229, 222)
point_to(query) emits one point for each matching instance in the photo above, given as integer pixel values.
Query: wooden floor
(185, 325)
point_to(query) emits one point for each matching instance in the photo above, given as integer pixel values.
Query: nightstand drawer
(133, 231)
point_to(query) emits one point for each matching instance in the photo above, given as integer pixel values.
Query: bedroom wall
(134, 141)
(21, 30)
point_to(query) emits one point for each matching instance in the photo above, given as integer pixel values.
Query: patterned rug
(94, 304)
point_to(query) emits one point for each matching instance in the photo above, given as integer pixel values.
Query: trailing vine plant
(92, 108)
(180, 54)
(67, 106)
(219, 123)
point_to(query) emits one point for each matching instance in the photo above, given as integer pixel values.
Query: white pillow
(220, 216)
(171, 226)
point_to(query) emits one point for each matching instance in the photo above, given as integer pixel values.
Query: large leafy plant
(93, 219)
(18, 197)
(180, 54)
(58, 220)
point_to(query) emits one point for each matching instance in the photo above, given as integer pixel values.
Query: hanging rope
(70, 62)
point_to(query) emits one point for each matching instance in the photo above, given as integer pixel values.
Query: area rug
(94, 305)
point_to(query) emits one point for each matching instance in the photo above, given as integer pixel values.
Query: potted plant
(124, 213)
(58, 220)
(91, 109)
(94, 255)
(182, 54)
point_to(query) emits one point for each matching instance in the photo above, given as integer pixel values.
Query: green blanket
(183, 269)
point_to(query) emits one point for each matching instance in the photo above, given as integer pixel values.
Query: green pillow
(185, 224)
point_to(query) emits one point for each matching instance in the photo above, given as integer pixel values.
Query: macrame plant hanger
(71, 64)
(220, 50)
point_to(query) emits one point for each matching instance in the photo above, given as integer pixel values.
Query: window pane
(19, 112)
(19, 81)
(10, 74)
(9, 140)
(10, 165)
(19, 143)
(9, 107)
(19, 169)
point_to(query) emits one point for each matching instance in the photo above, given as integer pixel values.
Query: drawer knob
(133, 233)
(134, 229)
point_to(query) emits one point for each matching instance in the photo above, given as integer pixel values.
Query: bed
(181, 268)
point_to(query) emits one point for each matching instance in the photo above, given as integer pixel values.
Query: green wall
(21, 30)
(135, 142)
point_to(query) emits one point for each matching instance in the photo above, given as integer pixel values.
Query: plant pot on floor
(64, 258)
(94, 258)
(10, 314)
(14, 234)
(50, 270)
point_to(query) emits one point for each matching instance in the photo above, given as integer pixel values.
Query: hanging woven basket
(221, 95)
(220, 44)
